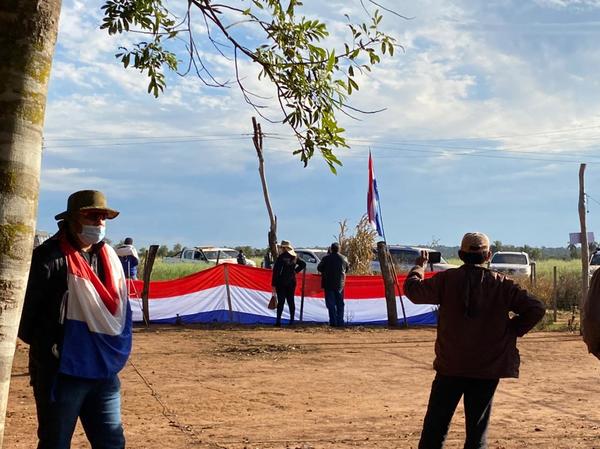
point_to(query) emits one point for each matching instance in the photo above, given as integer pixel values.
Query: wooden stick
(148, 264)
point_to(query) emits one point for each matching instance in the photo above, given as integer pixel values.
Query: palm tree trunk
(28, 31)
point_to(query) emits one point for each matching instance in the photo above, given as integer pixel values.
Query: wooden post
(397, 286)
(584, 242)
(257, 139)
(229, 305)
(302, 297)
(148, 264)
(389, 284)
(555, 294)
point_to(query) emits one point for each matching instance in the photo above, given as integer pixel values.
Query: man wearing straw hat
(476, 341)
(77, 322)
(283, 279)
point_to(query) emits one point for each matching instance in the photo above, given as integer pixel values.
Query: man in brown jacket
(476, 338)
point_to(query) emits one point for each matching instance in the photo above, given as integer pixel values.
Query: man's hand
(422, 259)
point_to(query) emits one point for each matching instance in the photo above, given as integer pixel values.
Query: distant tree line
(536, 253)
(164, 251)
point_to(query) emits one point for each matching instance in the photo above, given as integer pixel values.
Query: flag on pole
(373, 210)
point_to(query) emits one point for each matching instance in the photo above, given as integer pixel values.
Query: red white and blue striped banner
(203, 298)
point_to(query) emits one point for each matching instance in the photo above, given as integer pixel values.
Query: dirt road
(315, 387)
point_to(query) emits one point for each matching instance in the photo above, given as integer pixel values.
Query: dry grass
(358, 247)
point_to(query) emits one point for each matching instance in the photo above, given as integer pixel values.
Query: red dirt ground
(315, 387)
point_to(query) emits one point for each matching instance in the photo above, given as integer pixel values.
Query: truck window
(404, 257)
(188, 254)
(513, 259)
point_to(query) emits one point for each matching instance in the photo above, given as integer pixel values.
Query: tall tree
(28, 30)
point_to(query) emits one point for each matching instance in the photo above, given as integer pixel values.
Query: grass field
(164, 271)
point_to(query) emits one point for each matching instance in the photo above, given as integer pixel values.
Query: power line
(594, 200)
(424, 149)
(68, 139)
(146, 143)
(454, 147)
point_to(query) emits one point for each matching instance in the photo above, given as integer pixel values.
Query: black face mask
(472, 258)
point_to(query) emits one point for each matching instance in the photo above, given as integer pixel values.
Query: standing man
(129, 258)
(77, 322)
(241, 257)
(333, 267)
(476, 341)
(283, 279)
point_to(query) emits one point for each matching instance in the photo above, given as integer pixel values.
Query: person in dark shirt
(241, 258)
(481, 315)
(283, 279)
(333, 268)
(268, 260)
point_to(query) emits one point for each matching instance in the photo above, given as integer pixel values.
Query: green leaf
(330, 61)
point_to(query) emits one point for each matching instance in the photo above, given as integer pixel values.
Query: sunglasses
(94, 215)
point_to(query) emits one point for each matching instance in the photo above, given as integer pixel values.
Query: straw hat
(87, 200)
(475, 242)
(286, 245)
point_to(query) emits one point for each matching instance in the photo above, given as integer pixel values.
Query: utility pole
(585, 259)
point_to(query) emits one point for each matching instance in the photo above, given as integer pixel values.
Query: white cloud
(476, 78)
(569, 3)
(71, 179)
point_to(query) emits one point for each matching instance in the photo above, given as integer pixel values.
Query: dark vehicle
(404, 259)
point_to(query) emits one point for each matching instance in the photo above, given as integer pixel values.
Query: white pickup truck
(206, 254)
(511, 263)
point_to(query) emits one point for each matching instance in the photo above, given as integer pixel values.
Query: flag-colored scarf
(96, 314)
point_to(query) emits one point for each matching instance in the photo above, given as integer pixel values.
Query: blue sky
(490, 110)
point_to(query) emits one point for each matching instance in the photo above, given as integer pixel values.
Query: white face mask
(91, 234)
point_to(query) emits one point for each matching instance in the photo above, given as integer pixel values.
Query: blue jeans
(446, 392)
(61, 399)
(334, 300)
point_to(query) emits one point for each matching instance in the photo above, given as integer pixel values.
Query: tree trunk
(257, 139)
(388, 281)
(28, 31)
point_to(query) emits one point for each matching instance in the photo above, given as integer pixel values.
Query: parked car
(511, 263)
(206, 254)
(594, 262)
(404, 259)
(312, 257)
